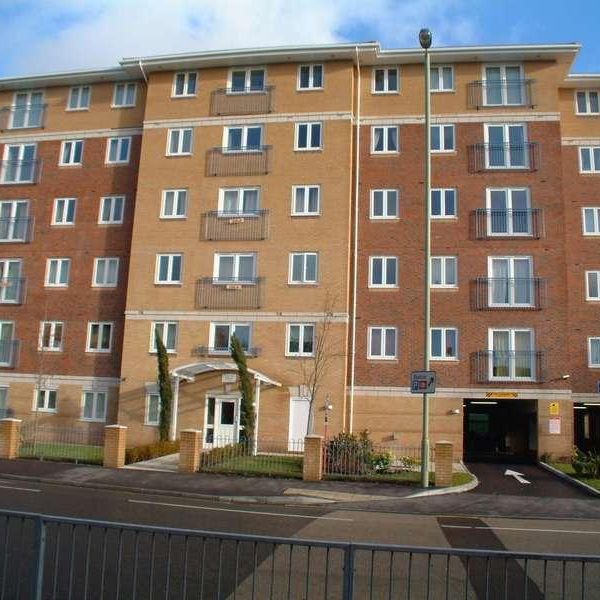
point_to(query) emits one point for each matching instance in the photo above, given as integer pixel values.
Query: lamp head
(425, 38)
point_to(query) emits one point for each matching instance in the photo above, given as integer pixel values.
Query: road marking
(236, 510)
(489, 528)
(20, 489)
(518, 476)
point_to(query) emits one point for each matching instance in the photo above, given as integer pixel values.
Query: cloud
(56, 35)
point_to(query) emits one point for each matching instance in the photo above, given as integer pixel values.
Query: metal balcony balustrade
(9, 353)
(16, 229)
(12, 290)
(26, 116)
(20, 171)
(229, 293)
(218, 351)
(244, 160)
(523, 156)
(235, 226)
(490, 94)
(494, 366)
(508, 223)
(516, 293)
(245, 101)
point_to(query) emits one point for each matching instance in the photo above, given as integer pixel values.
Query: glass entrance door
(221, 422)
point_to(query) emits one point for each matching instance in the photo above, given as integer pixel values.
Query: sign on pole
(422, 382)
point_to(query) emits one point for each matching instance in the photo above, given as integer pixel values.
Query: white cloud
(69, 34)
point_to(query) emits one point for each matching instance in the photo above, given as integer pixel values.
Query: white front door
(221, 422)
(299, 411)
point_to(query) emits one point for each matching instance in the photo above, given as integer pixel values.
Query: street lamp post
(425, 39)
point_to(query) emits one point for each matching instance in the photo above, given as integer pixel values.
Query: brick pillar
(190, 441)
(312, 469)
(115, 440)
(10, 438)
(443, 464)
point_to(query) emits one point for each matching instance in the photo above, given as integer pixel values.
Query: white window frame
(179, 151)
(46, 394)
(244, 145)
(511, 276)
(384, 263)
(5, 269)
(53, 326)
(72, 146)
(302, 331)
(61, 262)
(240, 191)
(508, 191)
(170, 260)
(67, 202)
(236, 266)
(180, 198)
(444, 333)
(384, 333)
(385, 129)
(596, 214)
(126, 85)
(588, 104)
(505, 137)
(101, 326)
(443, 261)
(166, 325)
(79, 106)
(503, 83)
(512, 362)
(311, 76)
(304, 280)
(386, 216)
(247, 88)
(27, 107)
(232, 326)
(120, 140)
(593, 150)
(442, 149)
(11, 352)
(147, 409)
(95, 418)
(112, 220)
(444, 214)
(18, 180)
(386, 81)
(310, 125)
(186, 84)
(107, 260)
(588, 296)
(305, 200)
(591, 339)
(440, 71)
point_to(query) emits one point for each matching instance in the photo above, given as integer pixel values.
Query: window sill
(70, 165)
(83, 109)
(168, 283)
(303, 284)
(384, 288)
(308, 149)
(445, 288)
(62, 225)
(89, 351)
(117, 164)
(179, 155)
(385, 153)
(315, 89)
(384, 219)
(452, 91)
(111, 224)
(84, 420)
(385, 93)
(444, 218)
(452, 361)
(183, 96)
(154, 425)
(299, 356)
(383, 358)
(443, 152)
(120, 106)
(587, 114)
(174, 218)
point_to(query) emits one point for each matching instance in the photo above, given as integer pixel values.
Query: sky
(40, 36)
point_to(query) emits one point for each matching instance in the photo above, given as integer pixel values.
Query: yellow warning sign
(554, 409)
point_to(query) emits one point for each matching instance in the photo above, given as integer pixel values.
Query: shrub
(382, 461)
(149, 451)
(409, 463)
(349, 454)
(586, 464)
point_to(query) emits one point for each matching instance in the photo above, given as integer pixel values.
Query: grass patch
(262, 465)
(77, 453)
(567, 469)
(400, 478)
(461, 478)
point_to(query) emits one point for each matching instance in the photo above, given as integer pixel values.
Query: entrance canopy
(189, 372)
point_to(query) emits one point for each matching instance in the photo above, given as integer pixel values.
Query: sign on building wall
(554, 425)
(554, 409)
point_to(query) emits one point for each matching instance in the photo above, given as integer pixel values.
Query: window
(444, 272)
(382, 343)
(79, 97)
(14, 220)
(180, 142)
(111, 210)
(185, 84)
(303, 267)
(386, 80)
(3, 402)
(504, 85)
(384, 140)
(509, 212)
(443, 203)
(167, 331)
(510, 281)
(239, 201)
(10, 281)
(51, 336)
(106, 272)
(117, 150)
(221, 334)
(244, 138)
(589, 159)
(384, 204)
(94, 406)
(71, 153)
(310, 77)
(383, 271)
(152, 409)
(99, 337)
(57, 272)
(506, 147)
(174, 204)
(512, 354)
(64, 211)
(306, 200)
(300, 339)
(594, 351)
(441, 78)
(19, 163)
(308, 136)
(235, 268)
(444, 343)
(442, 138)
(46, 400)
(587, 102)
(168, 268)
(124, 95)
(592, 285)
(591, 220)
(27, 110)
(246, 80)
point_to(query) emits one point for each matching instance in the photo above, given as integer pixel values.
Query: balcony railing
(488, 94)
(512, 224)
(28, 116)
(16, 230)
(20, 171)
(12, 290)
(9, 353)
(249, 101)
(238, 161)
(518, 293)
(493, 366)
(235, 226)
(212, 351)
(524, 156)
(234, 293)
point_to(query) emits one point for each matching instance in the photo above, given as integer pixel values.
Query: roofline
(582, 80)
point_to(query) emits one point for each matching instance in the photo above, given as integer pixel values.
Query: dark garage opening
(587, 426)
(500, 430)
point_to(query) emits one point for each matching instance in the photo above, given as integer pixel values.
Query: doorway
(221, 421)
(587, 426)
(299, 413)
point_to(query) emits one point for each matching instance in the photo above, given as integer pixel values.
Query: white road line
(235, 510)
(20, 489)
(520, 529)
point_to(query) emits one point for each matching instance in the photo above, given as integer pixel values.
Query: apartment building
(206, 194)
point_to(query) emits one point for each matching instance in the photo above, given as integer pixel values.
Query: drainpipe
(174, 411)
(256, 414)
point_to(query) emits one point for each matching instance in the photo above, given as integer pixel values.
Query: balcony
(234, 293)
(20, 171)
(27, 116)
(524, 156)
(235, 226)
(493, 366)
(500, 94)
(508, 223)
(518, 293)
(227, 162)
(9, 353)
(16, 229)
(248, 101)
(12, 290)
(212, 351)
